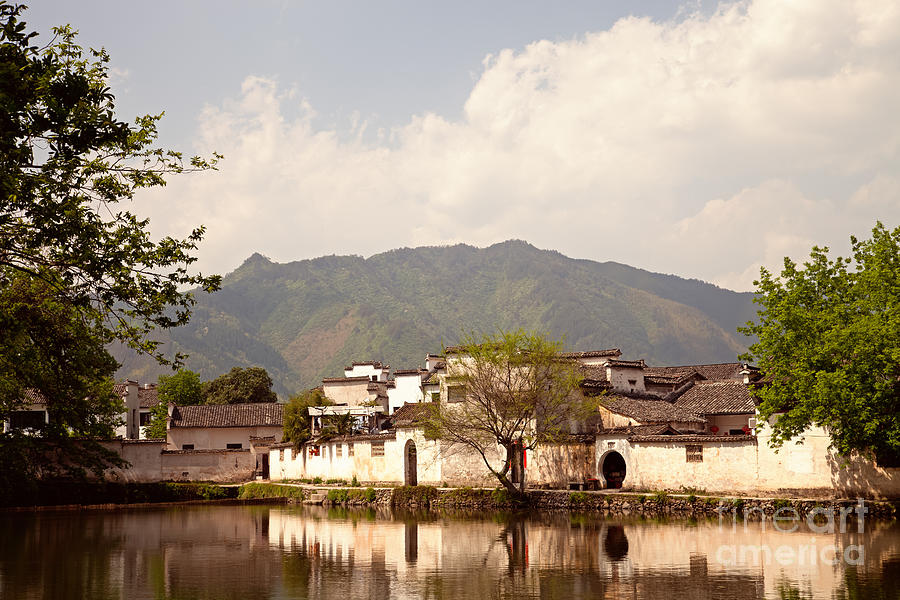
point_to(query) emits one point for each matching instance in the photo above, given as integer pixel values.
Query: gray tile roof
(717, 398)
(229, 415)
(648, 409)
(412, 414)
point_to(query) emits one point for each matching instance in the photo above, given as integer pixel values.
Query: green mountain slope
(308, 319)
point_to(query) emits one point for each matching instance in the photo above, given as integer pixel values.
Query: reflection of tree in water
(37, 558)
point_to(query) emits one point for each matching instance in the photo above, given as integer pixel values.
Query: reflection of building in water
(261, 552)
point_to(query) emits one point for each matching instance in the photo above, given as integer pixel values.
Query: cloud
(705, 147)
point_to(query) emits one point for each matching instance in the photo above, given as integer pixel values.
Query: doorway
(265, 465)
(613, 470)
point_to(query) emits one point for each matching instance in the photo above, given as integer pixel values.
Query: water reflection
(310, 552)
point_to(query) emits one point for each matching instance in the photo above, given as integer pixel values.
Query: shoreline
(606, 503)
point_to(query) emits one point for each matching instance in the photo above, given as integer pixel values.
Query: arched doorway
(410, 475)
(613, 470)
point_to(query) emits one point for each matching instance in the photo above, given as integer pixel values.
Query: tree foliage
(52, 355)
(66, 164)
(240, 386)
(77, 271)
(510, 390)
(829, 345)
(183, 388)
(297, 420)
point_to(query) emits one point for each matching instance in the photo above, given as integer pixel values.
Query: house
(31, 416)
(223, 426)
(139, 401)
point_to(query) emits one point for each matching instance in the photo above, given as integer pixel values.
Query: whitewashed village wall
(749, 467)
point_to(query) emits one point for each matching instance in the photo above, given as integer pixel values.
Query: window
(234, 446)
(281, 454)
(145, 419)
(435, 396)
(338, 450)
(456, 393)
(693, 453)
(26, 419)
(377, 448)
(350, 449)
(187, 446)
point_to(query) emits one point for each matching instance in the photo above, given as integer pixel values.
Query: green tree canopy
(829, 346)
(66, 164)
(239, 386)
(77, 271)
(182, 388)
(297, 420)
(511, 390)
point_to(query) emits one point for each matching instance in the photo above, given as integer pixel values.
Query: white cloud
(704, 147)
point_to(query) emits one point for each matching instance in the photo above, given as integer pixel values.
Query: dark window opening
(145, 419)
(234, 446)
(187, 446)
(27, 419)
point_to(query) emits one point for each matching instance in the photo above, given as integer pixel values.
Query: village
(688, 427)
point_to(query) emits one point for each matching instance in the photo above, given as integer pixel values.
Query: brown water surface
(259, 552)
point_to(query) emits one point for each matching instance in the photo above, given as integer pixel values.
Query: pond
(275, 552)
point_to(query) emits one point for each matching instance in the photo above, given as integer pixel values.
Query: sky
(695, 138)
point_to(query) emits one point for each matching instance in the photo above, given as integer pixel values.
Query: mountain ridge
(306, 319)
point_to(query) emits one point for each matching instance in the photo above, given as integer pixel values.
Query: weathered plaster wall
(351, 393)
(726, 466)
(217, 438)
(811, 465)
(331, 463)
(208, 465)
(150, 462)
(751, 467)
(144, 457)
(558, 464)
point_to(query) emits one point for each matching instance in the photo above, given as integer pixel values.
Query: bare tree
(506, 394)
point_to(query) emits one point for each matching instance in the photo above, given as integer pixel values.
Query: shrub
(270, 490)
(335, 481)
(354, 482)
(317, 480)
(660, 497)
(579, 498)
(339, 496)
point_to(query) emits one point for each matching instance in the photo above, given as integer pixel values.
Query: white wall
(407, 388)
(216, 438)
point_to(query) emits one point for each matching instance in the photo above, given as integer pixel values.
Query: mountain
(308, 319)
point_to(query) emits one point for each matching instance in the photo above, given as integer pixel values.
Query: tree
(49, 351)
(510, 390)
(829, 346)
(297, 420)
(183, 388)
(66, 163)
(87, 270)
(239, 386)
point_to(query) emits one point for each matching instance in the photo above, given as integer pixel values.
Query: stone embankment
(607, 503)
